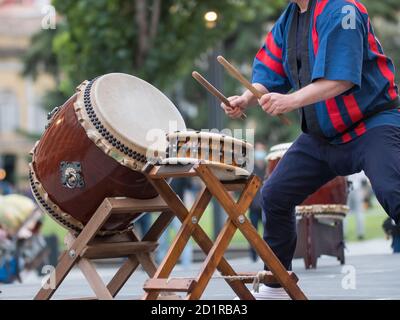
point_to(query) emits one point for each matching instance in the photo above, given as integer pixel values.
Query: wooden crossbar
(117, 250)
(127, 205)
(173, 285)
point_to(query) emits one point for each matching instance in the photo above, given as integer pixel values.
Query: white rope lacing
(257, 279)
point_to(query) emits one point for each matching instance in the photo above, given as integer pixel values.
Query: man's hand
(238, 105)
(276, 104)
(320, 90)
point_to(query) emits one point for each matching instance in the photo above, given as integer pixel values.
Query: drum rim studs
(111, 140)
(194, 220)
(53, 210)
(241, 219)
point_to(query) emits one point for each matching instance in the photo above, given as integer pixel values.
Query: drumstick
(200, 79)
(246, 83)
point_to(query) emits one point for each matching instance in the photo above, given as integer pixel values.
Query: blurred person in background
(356, 201)
(6, 188)
(368, 194)
(143, 224)
(22, 247)
(392, 231)
(260, 153)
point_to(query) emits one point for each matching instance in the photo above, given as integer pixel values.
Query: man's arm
(320, 90)
(275, 103)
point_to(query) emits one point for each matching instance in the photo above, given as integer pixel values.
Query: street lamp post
(215, 113)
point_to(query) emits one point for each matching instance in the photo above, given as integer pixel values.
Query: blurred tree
(155, 40)
(243, 44)
(162, 42)
(40, 56)
(387, 9)
(389, 33)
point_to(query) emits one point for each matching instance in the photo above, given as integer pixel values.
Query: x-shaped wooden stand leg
(189, 228)
(86, 246)
(215, 251)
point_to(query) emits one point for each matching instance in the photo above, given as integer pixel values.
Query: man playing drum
(344, 87)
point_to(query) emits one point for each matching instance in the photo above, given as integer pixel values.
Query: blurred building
(21, 114)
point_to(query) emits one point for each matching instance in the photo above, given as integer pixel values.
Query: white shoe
(268, 293)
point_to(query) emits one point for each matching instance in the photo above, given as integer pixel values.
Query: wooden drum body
(334, 192)
(89, 152)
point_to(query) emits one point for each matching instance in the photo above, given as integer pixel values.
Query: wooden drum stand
(86, 247)
(194, 288)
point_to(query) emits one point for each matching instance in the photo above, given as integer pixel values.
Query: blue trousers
(312, 162)
(396, 244)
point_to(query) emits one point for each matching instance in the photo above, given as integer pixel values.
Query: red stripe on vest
(355, 113)
(319, 8)
(335, 116)
(346, 138)
(273, 47)
(361, 129)
(383, 65)
(275, 66)
(382, 60)
(353, 108)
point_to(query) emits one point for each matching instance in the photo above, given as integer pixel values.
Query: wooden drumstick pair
(234, 72)
(200, 79)
(237, 75)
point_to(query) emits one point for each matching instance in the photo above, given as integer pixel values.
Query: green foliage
(40, 56)
(242, 45)
(102, 36)
(389, 34)
(387, 9)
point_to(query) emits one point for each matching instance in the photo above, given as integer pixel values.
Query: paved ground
(371, 272)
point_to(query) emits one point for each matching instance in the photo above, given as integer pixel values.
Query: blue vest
(340, 44)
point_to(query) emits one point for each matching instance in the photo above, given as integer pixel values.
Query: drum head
(131, 108)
